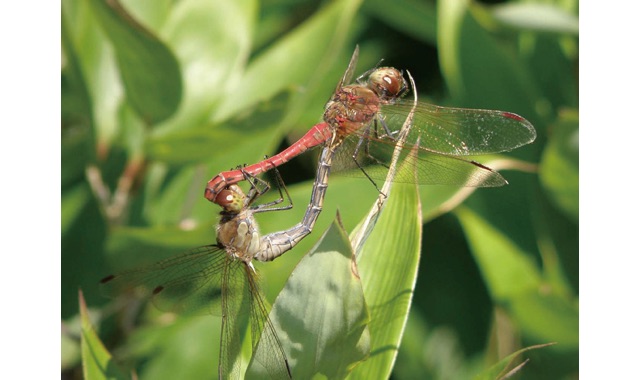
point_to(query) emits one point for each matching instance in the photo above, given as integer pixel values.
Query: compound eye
(231, 198)
(388, 83)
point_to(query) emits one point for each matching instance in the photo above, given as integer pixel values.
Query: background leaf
(559, 165)
(148, 69)
(96, 360)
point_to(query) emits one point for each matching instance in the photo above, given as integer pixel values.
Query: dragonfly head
(388, 83)
(231, 199)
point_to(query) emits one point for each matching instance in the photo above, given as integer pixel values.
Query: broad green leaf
(184, 348)
(507, 367)
(480, 72)
(249, 129)
(293, 60)
(77, 116)
(98, 66)
(211, 40)
(538, 305)
(546, 317)
(559, 165)
(73, 202)
(507, 269)
(416, 18)
(388, 264)
(150, 72)
(321, 312)
(97, 362)
(536, 17)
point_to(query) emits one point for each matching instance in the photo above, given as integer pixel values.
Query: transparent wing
(236, 306)
(189, 282)
(267, 349)
(242, 298)
(431, 168)
(460, 131)
(348, 74)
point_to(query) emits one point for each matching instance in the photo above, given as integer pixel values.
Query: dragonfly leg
(258, 186)
(363, 138)
(367, 151)
(256, 192)
(387, 132)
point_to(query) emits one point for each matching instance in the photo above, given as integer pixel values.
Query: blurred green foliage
(155, 105)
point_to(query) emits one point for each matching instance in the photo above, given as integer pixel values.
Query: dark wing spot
(476, 163)
(158, 289)
(107, 279)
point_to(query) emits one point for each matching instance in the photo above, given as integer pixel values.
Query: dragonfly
(361, 123)
(193, 280)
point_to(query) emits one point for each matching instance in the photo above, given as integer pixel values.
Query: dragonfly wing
(188, 282)
(348, 74)
(267, 348)
(460, 131)
(236, 306)
(243, 305)
(431, 168)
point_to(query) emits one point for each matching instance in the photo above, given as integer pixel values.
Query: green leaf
(507, 269)
(545, 317)
(536, 17)
(501, 369)
(559, 165)
(73, 202)
(293, 60)
(416, 18)
(540, 307)
(321, 313)
(97, 65)
(388, 264)
(148, 69)
(479, 71)
(185, 146)
(212, 40)
(186, 348)
(78, 140)
(97, 362)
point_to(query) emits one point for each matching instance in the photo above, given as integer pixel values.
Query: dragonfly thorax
(239, 234)
(351, 108)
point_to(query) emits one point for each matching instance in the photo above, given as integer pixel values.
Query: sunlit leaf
(559, 165)
(481, 72)
(149, 70)
(537, 17)
(508, 366)
(328, 28)
(416, 18)
(507, 269)
(185, 348)
(388, 264)
(323, 322)
(97, 362)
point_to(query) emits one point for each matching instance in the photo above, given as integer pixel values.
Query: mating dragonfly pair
(359, 129)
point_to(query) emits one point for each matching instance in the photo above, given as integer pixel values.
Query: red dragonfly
(363, 119)
(194, 280)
